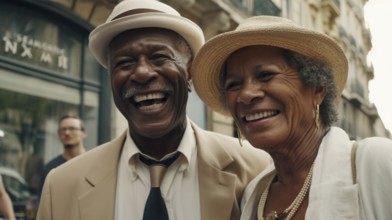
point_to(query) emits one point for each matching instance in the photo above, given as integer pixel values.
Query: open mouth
(150, 101)
(260, 116)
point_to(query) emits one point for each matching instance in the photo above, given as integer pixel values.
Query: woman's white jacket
(333, 195)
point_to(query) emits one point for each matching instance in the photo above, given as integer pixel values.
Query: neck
(71, 152)
(293, 165)
(159, 147)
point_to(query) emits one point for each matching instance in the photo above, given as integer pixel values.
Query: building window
(265, 7)
(245, 5)
(258, 7)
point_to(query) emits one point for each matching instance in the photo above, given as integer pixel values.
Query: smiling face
(267, 98)
(150, 80)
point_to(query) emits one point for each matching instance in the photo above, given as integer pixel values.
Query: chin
(68, 146)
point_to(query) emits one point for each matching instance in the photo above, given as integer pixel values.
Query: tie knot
(158, 168)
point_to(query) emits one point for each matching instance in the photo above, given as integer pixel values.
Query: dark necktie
(155, 208)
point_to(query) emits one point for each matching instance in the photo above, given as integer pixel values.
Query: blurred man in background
(72, 133)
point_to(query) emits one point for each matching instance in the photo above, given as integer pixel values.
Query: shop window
(29, 115)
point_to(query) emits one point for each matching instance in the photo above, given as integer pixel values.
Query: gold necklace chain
(292, 209)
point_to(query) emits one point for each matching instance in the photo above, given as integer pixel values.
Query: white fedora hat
(134, 14)
(262, 30)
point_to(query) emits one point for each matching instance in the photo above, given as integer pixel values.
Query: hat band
(135, 11)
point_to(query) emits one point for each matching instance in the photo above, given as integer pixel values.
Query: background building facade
(46, 70)
(343, 20)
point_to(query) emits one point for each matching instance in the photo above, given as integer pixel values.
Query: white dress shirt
(180, 185)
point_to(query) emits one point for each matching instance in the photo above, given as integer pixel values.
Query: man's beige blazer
(85, 187)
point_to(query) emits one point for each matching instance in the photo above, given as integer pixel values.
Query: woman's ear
(189, 83)
(319, 94)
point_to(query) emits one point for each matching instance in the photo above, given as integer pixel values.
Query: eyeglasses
(70, 129)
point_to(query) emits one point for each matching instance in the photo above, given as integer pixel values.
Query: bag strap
(353, 165)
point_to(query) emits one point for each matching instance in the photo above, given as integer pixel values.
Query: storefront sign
(30, 38)
(39, 52)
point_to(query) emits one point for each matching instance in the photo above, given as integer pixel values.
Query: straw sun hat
(134, 14)
(262, 30)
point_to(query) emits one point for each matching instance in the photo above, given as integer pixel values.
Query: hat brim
(101, 37)
(208, 63)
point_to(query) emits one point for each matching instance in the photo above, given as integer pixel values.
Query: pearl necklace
(292, 209)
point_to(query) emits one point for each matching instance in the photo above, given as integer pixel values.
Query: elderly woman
(281, 83)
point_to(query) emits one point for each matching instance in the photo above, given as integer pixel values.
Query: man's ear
(189, 70)
(189, 78)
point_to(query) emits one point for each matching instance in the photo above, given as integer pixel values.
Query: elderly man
(148, 49)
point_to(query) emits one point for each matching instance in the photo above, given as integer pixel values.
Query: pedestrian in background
(148, 48)
(71, 132)
(6, 208)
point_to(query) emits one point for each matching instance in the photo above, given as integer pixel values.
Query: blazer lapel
(217, 193)
(332, 193)
(217, 187)
(99, 201)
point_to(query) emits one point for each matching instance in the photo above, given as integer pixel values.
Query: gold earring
(317, 117)
(189, 85)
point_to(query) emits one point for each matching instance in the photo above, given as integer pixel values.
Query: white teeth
(259, 115)
(151, 107)
(158, 95)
